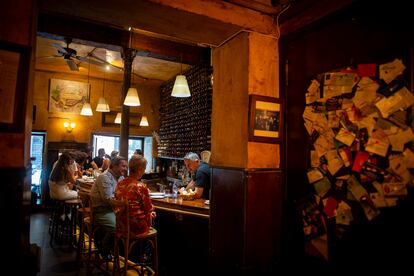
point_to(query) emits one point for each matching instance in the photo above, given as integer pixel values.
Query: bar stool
(121, 209)
(61, 221)
(56, 220)
(86, 246)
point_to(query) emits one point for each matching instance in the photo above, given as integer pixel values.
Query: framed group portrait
(265, 119)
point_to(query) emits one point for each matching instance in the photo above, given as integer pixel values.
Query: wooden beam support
(57, 27)
(225, 12)
(306, 12)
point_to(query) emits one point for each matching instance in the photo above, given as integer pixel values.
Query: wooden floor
(59, 260)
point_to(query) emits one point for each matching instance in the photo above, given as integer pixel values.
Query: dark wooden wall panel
(263, 218)
(226, 219)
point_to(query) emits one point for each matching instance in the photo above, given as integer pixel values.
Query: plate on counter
(207, 202)
(157, 195)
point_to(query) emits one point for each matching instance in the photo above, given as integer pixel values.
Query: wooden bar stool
(58, 222)
(129, 242)
(86, 245)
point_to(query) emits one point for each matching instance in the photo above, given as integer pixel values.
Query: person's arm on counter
(198, 190)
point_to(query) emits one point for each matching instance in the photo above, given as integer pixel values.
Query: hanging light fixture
(86, 108)
(102, 104)
(132, 98)
(144, 121)
(118, 118)
(181, 89)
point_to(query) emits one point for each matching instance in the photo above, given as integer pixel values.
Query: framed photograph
(265, 119)
(14, 69)
(67, 96)
(108, 119)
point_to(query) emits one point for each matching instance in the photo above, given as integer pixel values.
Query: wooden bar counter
(183, 228)
(195, 207)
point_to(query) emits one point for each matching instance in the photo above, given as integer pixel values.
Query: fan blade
(104, 62)
(72, 65)
(60, 48)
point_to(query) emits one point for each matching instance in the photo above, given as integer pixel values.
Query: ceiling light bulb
(72, 125)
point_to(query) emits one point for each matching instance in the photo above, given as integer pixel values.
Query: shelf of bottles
(185, 123)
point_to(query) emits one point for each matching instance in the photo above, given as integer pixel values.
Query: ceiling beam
(196, 22)
(305, 12)
(226, 12)
(97, 35)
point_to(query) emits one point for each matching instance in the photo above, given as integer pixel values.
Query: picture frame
(265, 119)
(108, 119)
(67, 96)
(14, 70)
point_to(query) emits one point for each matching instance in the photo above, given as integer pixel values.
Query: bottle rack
(185, 123)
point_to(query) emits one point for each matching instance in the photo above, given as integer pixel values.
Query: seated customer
(62, 180)
(136, 192)
(201, 170)
(101, 193)
(99, 161)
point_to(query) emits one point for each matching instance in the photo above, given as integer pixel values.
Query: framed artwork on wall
(265, 119)
(67, 96)
(14, 69)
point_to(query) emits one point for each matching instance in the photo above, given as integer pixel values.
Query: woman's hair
(191, 156)
(114, 154)
(138, 151)
(136, 162)
(60, 171)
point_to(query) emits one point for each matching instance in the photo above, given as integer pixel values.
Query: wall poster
(67, 96)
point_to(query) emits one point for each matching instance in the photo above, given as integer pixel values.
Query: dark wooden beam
(82, 32)
(304, 12)
(169, 50)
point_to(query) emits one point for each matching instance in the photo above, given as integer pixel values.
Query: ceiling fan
(70, 55)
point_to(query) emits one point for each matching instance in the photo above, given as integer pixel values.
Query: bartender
(201, 170)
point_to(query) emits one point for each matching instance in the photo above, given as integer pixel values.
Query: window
(111, 142)
(37, 146)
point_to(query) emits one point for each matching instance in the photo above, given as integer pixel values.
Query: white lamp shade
(144, 121)
(118, 118)
(181, 89)
(86, 110)
(132, 98)
(102, 105)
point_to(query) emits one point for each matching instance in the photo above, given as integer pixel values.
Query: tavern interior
(266, 48)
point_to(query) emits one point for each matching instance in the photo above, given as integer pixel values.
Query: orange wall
(247, 64)
(53, 122)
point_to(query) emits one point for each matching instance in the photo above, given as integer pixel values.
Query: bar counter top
(186, 207)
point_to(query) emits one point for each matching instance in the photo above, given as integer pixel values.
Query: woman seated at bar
(141, 210)
(62, 180)
(201, 170)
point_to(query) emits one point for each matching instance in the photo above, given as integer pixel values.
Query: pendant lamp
(181, 89)
(86, 108)
(102, 104)
(144, 121)
(118, 118)
(132, 98)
